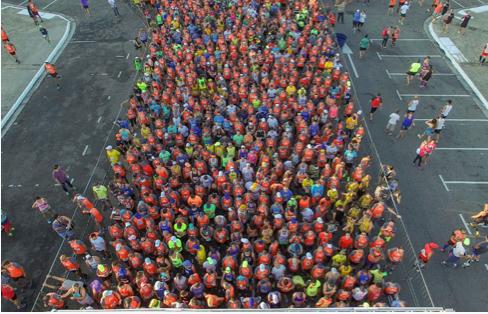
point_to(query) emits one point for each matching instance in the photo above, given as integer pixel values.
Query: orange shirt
(96, 215)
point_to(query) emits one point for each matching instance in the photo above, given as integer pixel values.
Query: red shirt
(376, 102)
(345, 243)
(8, 292)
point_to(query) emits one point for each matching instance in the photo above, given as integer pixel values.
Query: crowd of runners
(237, 176)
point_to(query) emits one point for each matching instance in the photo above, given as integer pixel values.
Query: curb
(17, 107)
(456, 65)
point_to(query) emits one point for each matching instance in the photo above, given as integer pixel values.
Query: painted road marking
(347, 51)
(102, 74)
(458, 120)
(459, 4)
(403, 39)
(99, 119)
(444, 183)
(379, 56)
(451, 47)
(486, 266)
(118, 75)
(82, 41)
(72, 180)
(465, 224)
(50, 3)
(44, 15)
(398, 94)
(403, 74)
(388, 73)
(108, 97)
(432, 95)
(462, 148)
(467, 182)
(128, 54)
(406, 56)
(84, 151)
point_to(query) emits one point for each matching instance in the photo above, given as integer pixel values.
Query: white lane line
(118, 75)
(379, 56)
(84, 151)
(438, 74)
(99, 119)
(462, 148)
(23, 2)
(108, 98)
(444, 183)
(467, 182)
(353, 66)
(72, 180)
(465, 224)
(432, 95)
(398, 94)
(459, 4)
(119, 56)
(10, 185)
(459, 120)
(128, 54)
(404, 39)
(407, 56)
(82, 41)
(388, 73)
(486, 266)
(47, 6)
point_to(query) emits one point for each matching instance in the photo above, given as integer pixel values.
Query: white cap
(109, 147)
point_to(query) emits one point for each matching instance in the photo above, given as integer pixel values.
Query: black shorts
(410, 111)
(437, 131)
(55, 74)
(404, 127)
(373, 109)
(362, 49)
(411, 73)
(85, 7)
(403, 15)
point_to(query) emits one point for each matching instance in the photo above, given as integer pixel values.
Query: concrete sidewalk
(464, 50)
(19, 80)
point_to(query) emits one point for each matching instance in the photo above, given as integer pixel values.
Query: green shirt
(415, 67)
(364, 43)
(238, 138)
(100, 192)
(209, 210)
(378, 275)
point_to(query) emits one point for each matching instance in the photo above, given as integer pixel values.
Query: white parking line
(458, 120)
(432, 95)
(82, 41)
(388, 73)
(438, 74)
(47, 6)
(118, 75)
(466, 182)
(465, 224)
(84, 151)
(444, 183)
(459, 4)
(99, 119)
(461, 148)
(486, 266)
(407, 56)
(379, 56)
(128, 54)
(398, 94)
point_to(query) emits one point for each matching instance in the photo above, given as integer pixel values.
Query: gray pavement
(32, 50)
(470, 44)
(56, 127)
(454, 184)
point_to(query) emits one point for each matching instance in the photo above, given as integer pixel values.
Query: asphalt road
(430, 208)
(56, 127)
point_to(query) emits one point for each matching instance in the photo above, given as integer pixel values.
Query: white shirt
(394, 117)
(98, 244)
(440, 124)
(446, 110)
(112, 3)
(459, 250)
(404, 8)
(412, 106)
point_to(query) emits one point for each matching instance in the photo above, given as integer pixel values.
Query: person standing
(340, 7)
(363, 46)
(421, 152)
(5, 38)
(356, 16)
(484, 54)
(113, 5)
(6, 224)
(71, 265)
(439, 126)
(51, 70)
(395, 35)
(385, 35)
(100, 192)
(391, 7)
(375, 103)
(8, 293)
(479, 248)
(63, 226)
(413, 104)
(455, 255)
(60, 176)
(425, 76)
(16, 273)
(425, 255)
(464, 23)
(407, 123)
(33, 12)
(99, 244)
(44, 208)
(362, 19)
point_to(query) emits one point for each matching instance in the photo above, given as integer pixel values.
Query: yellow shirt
(351, 123)
(291, 90)
(113, 155)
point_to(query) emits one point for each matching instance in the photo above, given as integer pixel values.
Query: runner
(392, 122)
(403, 12)
(44, 33)
(5, 38)
(11, 50)
(391, 7)
(385, 35)
(447, 20)
(425, 255)
(429, 130)
(33, 12)
(413, 70)
(464, 23)
(60, 177)
(113, 5)
(44, 208)
(6, 225)
(484, 54)
(86, 7)
(395, 36)
(340, 6)
(63, 226)
(407, 123)
(51, 70)
(425, 76)
(8, 293)
(375, 103)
